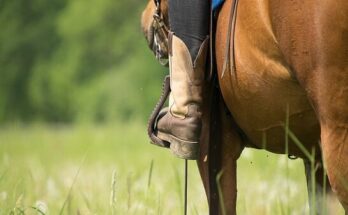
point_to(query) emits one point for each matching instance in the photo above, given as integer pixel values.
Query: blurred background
(67, 61)
(77, 84)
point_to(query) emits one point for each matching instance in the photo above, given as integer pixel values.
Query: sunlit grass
(41, 164)
(114, 170)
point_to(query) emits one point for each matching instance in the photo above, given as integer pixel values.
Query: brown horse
(290, 79)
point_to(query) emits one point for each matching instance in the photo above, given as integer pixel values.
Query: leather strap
(215, 139)
(158, 6)
(231, 36)
(211, 45)
(151, 126)
(160, 35)
(214, 164)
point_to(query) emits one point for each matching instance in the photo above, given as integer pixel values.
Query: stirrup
(152, 123)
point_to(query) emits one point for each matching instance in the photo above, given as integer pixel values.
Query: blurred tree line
(75, 60)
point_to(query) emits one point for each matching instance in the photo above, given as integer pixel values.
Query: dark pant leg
(189, 20)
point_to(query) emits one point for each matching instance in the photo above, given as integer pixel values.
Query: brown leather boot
(181, 123)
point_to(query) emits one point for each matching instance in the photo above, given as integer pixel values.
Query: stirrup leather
(152, 123)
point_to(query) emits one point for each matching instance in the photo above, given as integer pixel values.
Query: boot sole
(188, 150)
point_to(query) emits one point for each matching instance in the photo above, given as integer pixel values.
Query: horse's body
(262, 86)
(291, 60)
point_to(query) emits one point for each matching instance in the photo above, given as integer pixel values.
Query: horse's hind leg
(335, 152)
(328, 88)
(331, 104)
(318, 53)
(320, 195)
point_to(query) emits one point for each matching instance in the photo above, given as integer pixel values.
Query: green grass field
(114, 170)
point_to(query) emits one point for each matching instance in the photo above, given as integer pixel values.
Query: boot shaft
(187, 78)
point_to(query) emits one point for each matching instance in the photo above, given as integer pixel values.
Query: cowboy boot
(181, 123)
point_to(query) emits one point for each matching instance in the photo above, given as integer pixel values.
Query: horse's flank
(263, 87)
(291, 55)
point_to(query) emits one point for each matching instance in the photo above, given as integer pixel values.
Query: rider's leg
(181, 125)
(189, 20)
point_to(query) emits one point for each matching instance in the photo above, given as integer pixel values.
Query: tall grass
(41, 171)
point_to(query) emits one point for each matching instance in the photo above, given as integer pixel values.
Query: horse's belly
(261, 94)
(262, 106)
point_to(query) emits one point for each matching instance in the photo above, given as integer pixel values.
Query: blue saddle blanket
(216, 4)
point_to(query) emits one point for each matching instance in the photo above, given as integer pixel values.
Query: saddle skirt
(216, 4)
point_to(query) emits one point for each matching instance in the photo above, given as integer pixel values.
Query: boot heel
(184, 149)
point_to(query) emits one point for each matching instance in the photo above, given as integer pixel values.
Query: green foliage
(27, 35)
(75, 60)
